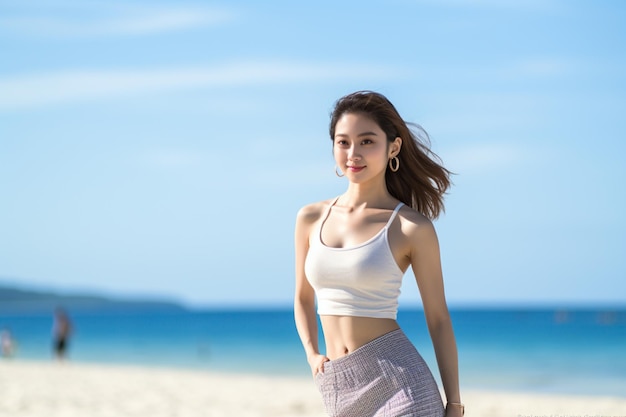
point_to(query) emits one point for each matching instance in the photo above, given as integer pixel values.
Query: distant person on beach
(7, 344)
(351, 254)
(61, 332)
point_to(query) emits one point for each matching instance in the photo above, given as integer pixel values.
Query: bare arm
(304, 299)
(426, 264)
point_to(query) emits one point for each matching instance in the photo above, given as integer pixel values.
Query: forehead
(355, 123)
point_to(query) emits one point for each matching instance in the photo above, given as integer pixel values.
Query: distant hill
(14, 300)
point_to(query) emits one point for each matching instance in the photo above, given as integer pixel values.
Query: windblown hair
(421, 181)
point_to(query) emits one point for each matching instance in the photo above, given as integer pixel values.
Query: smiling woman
(422, 180)
(351, 254)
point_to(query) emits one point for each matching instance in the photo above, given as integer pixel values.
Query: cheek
(376, 154)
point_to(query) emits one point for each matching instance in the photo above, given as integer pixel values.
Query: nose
(353, 154)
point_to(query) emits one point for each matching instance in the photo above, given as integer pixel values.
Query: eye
(341, 142)
(367, 142)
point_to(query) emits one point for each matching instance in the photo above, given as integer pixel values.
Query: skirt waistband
(368, 352)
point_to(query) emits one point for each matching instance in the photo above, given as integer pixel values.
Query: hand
(317, 363)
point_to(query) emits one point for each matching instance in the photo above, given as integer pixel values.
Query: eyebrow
(359, 135)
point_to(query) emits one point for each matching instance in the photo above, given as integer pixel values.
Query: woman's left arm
(426, 265)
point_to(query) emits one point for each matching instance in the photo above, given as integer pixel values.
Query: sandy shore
(42, 389)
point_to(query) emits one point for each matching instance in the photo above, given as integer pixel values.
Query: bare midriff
(345, 334)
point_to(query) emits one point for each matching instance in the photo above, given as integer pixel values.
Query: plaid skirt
(386, 377)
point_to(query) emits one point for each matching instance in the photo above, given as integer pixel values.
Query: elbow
(439, 322)
(303, 304)
(304, 297)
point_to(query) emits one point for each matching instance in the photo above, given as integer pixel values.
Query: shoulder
(415, 225)
(420, 237)
(307, 217)
(310, 213)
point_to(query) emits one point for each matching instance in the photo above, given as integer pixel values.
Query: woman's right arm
(304, 299)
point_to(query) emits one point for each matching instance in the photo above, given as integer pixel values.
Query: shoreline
(514, 351)
(74, 389)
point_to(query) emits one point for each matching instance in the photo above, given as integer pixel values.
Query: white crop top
(362, 280)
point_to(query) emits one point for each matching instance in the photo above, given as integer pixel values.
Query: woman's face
(360, 147)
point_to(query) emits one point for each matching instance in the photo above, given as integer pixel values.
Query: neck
(361, 195)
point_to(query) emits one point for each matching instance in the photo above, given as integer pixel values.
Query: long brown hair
(421, 181)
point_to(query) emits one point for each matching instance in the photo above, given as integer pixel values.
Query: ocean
(571, 351)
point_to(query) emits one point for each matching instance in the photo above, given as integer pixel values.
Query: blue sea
(574, 351)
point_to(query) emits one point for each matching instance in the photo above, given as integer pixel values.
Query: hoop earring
(397, 164)
(337, 172)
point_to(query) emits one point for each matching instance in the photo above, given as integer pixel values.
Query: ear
(395, 146)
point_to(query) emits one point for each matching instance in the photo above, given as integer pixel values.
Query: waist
(345, 334)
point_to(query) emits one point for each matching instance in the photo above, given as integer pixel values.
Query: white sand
(44, 389)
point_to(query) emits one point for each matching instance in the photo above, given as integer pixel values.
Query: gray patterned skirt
(387, 377)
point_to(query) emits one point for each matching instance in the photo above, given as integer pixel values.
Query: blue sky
(164, 148)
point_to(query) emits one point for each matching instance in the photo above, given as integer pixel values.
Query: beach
(251, 364)
(71, 389)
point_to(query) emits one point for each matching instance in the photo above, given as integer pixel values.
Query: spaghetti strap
(330, 206)
(334, 202)
(393, 215)
(325, 217)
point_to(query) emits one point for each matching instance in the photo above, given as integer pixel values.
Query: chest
(345, 229)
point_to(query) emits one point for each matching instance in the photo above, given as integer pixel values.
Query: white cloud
(105, 20)
(164, 21)
(24, 91)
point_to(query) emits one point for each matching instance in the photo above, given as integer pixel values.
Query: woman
(351, 254)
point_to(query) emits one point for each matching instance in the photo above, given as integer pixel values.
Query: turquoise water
(565, 351)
